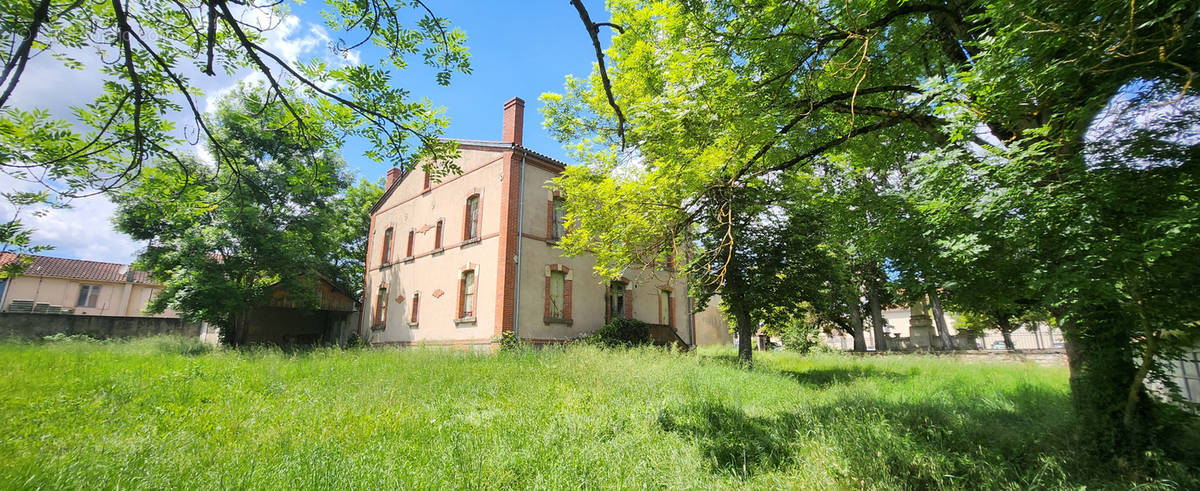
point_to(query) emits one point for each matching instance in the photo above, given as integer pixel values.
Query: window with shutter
(472, 217)
(467, 309)
(558, 281)
(558, 229)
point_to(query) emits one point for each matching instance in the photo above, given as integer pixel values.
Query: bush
(510, 342)
(621, 332)
(801, 336)
(73, 338)
(177, 345)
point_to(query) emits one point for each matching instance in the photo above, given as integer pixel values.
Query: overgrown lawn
(163, 413)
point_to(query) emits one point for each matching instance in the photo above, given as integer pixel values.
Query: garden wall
(35, 326)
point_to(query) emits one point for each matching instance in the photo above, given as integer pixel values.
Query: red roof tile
(79, 269)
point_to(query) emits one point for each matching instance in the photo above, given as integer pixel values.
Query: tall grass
(164, 413)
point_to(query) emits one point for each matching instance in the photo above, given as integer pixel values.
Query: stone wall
(35, 326)
(1048, 357)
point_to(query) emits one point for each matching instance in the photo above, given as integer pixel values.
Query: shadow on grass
(820, 378)
(1020, 439)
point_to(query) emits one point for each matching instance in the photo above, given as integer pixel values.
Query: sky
(518, 49)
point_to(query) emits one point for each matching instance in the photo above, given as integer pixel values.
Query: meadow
(169, 413)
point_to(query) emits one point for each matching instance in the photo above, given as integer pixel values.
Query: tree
(223, 236)
(762, 254)
(150, 52)
(717, 94)
(17, 238)
(351, 222)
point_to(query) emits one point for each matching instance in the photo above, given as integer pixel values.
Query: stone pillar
(921, 333)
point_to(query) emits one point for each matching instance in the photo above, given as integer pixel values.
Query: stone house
(463, 260)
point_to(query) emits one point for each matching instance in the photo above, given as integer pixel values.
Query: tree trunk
(745, 334)
(1100, 358)
(1008, 342)
(881, 343)
(939, 320)
(1006, 329)
(856, 323)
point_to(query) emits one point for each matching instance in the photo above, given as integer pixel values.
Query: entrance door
(614, 301)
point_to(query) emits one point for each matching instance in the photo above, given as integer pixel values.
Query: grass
(163, 413)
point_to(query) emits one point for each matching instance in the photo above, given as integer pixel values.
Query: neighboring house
(61, 285)
(461, 261)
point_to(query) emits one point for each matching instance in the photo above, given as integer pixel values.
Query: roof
(78, 269)
(474, 143)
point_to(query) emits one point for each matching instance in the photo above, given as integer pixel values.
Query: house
(463, 260)
(61, 285)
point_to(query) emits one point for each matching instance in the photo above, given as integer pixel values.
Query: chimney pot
(393, 174)
(514, 121)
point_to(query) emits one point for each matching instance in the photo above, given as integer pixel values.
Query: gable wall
(429, 271)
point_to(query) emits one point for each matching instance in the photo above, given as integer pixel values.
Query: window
(412, 237)
(428, 182)
(615, 301)
(666, 310)
(437, 235)
(471, 229)
(558, 295)
(416, 307)
(381, 302)
(88, 295)
(387, 247)
(558, 214)
(466, 304)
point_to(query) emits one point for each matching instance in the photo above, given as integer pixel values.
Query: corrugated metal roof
(78, 269)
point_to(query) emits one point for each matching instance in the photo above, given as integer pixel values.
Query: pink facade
(466, 259)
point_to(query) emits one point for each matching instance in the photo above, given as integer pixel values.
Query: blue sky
(520, 49)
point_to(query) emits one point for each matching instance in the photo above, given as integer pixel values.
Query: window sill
(472, 240)
(412, 325)
(464, 320)
(552, 242)
(427, 190)
(378, 327)
(557, 320)
(437, 251)
(386, 265)
(408, 259)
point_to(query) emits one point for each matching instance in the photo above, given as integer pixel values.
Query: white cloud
(83, 231)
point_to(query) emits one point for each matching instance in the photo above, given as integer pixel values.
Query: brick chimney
(392, 175)
(514, 121)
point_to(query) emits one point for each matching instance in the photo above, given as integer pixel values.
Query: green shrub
(621, 332)
(510, 342)
(800, 336)
(72, 338)
(177, 345)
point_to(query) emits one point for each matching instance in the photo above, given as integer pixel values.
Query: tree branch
(594, 31)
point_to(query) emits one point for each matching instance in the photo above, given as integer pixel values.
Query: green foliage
(147, 54)
(70, 338)
(128, 415)
(351, 221)
(509, 341)
(222, 237)
(801, 336)
(1015, 157)
(15, 236)
(621, 331)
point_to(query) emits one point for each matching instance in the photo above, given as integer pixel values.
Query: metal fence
(1023, 340)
